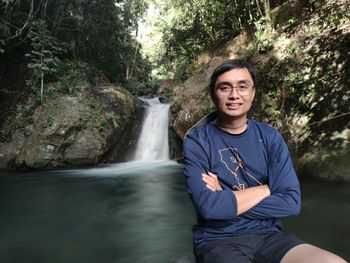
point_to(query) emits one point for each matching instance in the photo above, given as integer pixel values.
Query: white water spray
(153, 143)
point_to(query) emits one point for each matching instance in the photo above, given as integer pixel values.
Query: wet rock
(125, 145)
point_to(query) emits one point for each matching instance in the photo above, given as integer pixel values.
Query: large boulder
(72, 131)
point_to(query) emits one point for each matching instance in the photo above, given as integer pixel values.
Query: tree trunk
(267, 10)
(127, 72)
(134, 61)
(42, 76)
(258, 7)
(42, 87)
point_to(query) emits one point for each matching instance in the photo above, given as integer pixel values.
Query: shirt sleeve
(218, 205)
(285, 197)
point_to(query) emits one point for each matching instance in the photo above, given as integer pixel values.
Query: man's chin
(234, 114)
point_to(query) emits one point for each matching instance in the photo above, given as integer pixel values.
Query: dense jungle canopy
(52, 38)
(43, 40)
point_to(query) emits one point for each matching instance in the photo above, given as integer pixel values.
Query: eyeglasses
(241, 89)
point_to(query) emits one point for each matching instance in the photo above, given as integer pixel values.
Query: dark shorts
(257, 248)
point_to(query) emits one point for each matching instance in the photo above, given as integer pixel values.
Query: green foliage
(316, 5)
(189, 28)
(43, 56)
(50, 33)
(305, 95)
(268, 105)
(105, 36)
(290, 49)
(72, 77)
(49, 120)
(292, 21)
(23, 118)
(143, 88)
(264, 35)
(96, 116)
(333, 19)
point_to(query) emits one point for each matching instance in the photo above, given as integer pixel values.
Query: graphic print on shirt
(235, 164)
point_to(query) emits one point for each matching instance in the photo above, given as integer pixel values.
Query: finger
(206, 178)
(212, 188)
(215, 179)
(209, 181)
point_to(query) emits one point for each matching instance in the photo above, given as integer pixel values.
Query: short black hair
(227, 66)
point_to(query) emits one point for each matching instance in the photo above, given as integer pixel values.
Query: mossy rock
(70, 131)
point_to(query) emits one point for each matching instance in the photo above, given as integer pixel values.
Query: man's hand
(246, 199)
(211, 181)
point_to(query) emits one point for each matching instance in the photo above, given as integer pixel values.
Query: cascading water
(153, 143)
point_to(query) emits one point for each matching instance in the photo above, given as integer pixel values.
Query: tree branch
(134, 60)
(19, 31)
(259, 9)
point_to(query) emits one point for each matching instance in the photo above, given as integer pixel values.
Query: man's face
(234, 92)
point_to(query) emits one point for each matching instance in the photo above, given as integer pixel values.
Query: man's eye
(242, 87)
(224, 88)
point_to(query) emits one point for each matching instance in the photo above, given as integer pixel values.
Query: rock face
(9, 150)
(72, 131)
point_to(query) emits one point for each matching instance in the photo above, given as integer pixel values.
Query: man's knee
(310, 254)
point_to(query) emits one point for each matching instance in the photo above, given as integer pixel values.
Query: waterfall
(153, 143)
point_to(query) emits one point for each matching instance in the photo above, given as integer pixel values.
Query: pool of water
(132, 212)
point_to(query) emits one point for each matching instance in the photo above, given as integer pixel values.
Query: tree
(43, 56)
(190, 28)
(100, 33)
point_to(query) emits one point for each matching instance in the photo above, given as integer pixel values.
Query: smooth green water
(132, 212)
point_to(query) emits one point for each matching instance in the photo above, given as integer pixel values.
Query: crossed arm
(246, 199)
(279, 198)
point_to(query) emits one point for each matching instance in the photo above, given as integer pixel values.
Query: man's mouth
(233, 106)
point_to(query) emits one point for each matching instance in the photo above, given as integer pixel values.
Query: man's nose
(234, 92)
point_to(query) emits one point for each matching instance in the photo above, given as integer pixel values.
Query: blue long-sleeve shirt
(257, 156)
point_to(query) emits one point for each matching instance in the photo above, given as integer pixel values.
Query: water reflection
(132, 212)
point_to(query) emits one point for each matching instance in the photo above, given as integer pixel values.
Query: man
(241, 180)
